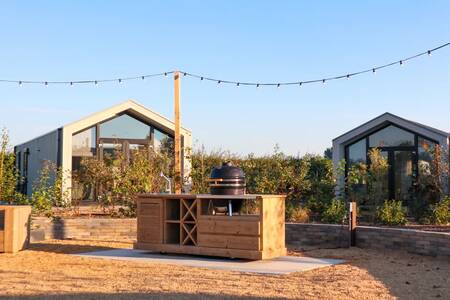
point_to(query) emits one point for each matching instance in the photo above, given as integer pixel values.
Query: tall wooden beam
(178, 179)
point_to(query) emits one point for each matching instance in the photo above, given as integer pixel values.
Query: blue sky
(236, 40)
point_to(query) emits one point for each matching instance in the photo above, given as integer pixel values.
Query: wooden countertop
(208, 196)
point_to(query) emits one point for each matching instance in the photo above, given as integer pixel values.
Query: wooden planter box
(14, 227)
(184, 224)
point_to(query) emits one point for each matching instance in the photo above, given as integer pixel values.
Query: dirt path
(46, 271)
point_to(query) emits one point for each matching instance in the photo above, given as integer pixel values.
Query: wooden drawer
(229, 241)
(236, 227)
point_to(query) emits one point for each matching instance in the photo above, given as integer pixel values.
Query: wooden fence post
(352, 224)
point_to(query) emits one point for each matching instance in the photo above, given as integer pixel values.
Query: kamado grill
(226, 180)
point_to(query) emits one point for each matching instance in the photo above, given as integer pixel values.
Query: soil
(48, 271)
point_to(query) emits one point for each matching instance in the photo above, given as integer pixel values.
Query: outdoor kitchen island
(235, 226)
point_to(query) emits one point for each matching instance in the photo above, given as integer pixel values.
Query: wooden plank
(198, 250)
(228, 241)
(273, 225)
(231, 226)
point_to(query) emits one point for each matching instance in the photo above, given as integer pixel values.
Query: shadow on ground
(407, 276)
(67, 248)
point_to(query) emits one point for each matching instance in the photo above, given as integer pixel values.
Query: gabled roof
(388, 118)
(129, 106)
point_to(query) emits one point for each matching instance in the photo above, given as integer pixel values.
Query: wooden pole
(352, 224)
(177, 141)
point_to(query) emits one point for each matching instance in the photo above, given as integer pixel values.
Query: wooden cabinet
(182, 223)
(14, 227)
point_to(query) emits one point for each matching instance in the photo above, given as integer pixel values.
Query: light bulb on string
(165, 74)
(237, 84)
(20, 83)
(142, 77)
(218, 82)
(401, 63)
(46, 83)
(323, 81)
(348, 76)
(374, 71)
(257, 85)
(278, 85)
(96, 82)
(429, 52)
(120, 81)
(300, 83)
(71, 84)
(201, 78)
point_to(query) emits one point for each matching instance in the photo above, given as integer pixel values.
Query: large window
(84, 144)
(357, 153)
(425, 155)
(124, 127)
(125, 134)
(162, 142)
(408, 154)
(391, 136)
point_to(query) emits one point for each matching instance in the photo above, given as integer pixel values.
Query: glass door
(403, 173)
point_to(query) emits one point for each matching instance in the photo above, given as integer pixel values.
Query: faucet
(169, 183)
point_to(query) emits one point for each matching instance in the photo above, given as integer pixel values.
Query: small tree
(9, 175)
(118, 178)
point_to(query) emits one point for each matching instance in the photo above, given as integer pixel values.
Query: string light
(219, 81)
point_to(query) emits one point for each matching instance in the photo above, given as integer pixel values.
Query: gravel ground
(47, 271)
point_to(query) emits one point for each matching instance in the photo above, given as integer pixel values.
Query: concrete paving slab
(278, 266)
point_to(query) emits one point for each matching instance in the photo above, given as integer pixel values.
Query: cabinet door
(150, 222)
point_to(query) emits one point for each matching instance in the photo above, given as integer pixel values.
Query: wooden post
(352, 224)
(177, 140)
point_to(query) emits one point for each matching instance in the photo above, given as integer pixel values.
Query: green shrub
(297, 214)
(440, 212)
(391, 213)
(335, 213)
